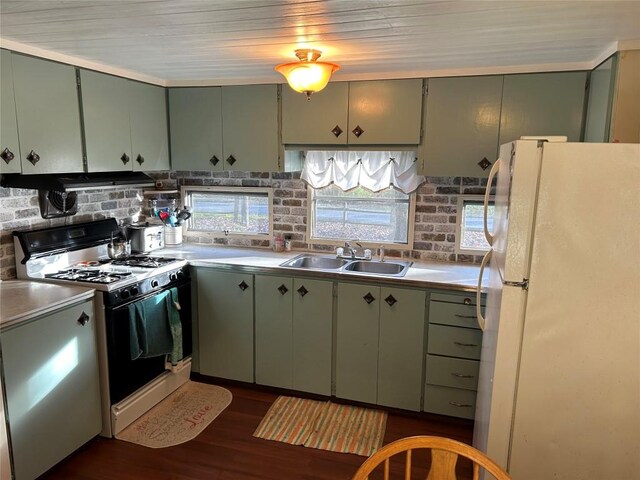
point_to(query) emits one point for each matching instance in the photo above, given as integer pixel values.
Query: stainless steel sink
(315, 262)
(389, 269)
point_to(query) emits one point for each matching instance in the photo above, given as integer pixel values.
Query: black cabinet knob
(140, 159)
(357, 131)
(125, 158)
(7, 155)
(282, 289)
(484, 163)
(33, 157)
(369, 298)
(390, 300)
(302, 291)
(231, 160)
(214, 160)
(84, 319)
(337, 131)
(243, 285)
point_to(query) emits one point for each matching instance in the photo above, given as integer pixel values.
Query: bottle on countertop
(287, 243)
(278, 244)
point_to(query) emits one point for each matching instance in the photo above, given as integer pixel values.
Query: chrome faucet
(352, 250)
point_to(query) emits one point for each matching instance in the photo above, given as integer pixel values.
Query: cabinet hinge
(425, 89)
(335, 290)
(524, 284)
(77, 77)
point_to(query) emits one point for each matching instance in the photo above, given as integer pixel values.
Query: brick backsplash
(434, 230)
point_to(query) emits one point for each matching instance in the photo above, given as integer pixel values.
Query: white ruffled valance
(372, 170)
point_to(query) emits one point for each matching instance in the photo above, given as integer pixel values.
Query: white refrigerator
(559, 383)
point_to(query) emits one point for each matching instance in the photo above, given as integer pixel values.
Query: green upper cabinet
(380, 112)
(318, 121)
(600, 103)
(125, 124)
(9, 147)
(386, 112)
(105, 106)
(542, 104)
(462, 124)
(195, 121)
(149, 130)
(48, 115)
(250, 128)
(224, 128)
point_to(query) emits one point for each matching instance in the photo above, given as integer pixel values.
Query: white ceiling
(216, 42)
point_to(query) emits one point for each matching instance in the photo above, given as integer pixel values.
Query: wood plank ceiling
(187, 42)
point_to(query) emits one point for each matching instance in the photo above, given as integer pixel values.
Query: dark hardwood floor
(226, 449)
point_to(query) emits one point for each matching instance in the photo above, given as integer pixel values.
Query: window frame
(460, 209)
(365, 244)
(186, 191)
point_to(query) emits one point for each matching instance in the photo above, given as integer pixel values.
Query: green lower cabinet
(225, 324)
(294, 333)
(52, 387)
(453, 356)
(379, 347)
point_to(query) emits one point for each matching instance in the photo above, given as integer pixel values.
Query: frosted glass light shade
(308, 75)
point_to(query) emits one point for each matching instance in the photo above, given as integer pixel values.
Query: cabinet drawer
(452, 372)
(454, 341)
(455, 402)
(456, 314)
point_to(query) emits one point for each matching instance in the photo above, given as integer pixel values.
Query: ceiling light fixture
(308, 75)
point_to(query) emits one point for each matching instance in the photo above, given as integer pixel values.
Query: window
(228, 211)
(470, 237)
(359, 214)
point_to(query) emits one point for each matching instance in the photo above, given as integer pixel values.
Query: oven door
(126, 375)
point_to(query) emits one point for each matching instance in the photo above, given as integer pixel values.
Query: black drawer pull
(461, 405)
(390, 300)
(369, 298)
(214, 160)
(243, 285)
(33, 157)
(84, 319)
(7, 155)
(465, 316)
(140, 159)
(124, 158)
(467, 301)
(302, 291)
(460, 344)
(282, 289)
(460, 375)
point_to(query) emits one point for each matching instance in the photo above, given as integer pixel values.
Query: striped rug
(323, 425)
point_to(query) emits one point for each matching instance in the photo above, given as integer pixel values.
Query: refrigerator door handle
(487, 194)
(485, 261)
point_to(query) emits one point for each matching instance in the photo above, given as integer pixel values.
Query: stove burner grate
(88, 275)
(143, 261)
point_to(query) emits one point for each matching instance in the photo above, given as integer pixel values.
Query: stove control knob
(125, 294)
(173, 277)
(180, 273)
(154, 283)
(134, 291)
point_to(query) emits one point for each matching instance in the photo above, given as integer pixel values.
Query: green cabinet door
(9, 147)
(600, 102)
(357, 325)
(195, 120)
(461, 123)
(52, 388)
(387, 112)
(401, 346)
(149, 131)
(105, 106)
(225, 324)
(542, 104)
(319, 121)
(48, 115)
(274, 331)
(312, 335)
(250, 128)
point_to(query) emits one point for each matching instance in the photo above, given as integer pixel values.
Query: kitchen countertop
(454, 276)
(22, 300)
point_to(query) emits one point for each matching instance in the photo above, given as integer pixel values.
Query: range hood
(69, 182)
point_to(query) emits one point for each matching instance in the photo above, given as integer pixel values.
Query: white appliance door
(517, 182)
(577, 413)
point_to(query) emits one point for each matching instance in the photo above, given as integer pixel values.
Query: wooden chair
(444, 455)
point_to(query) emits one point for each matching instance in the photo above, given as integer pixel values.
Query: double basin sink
(305, 261)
